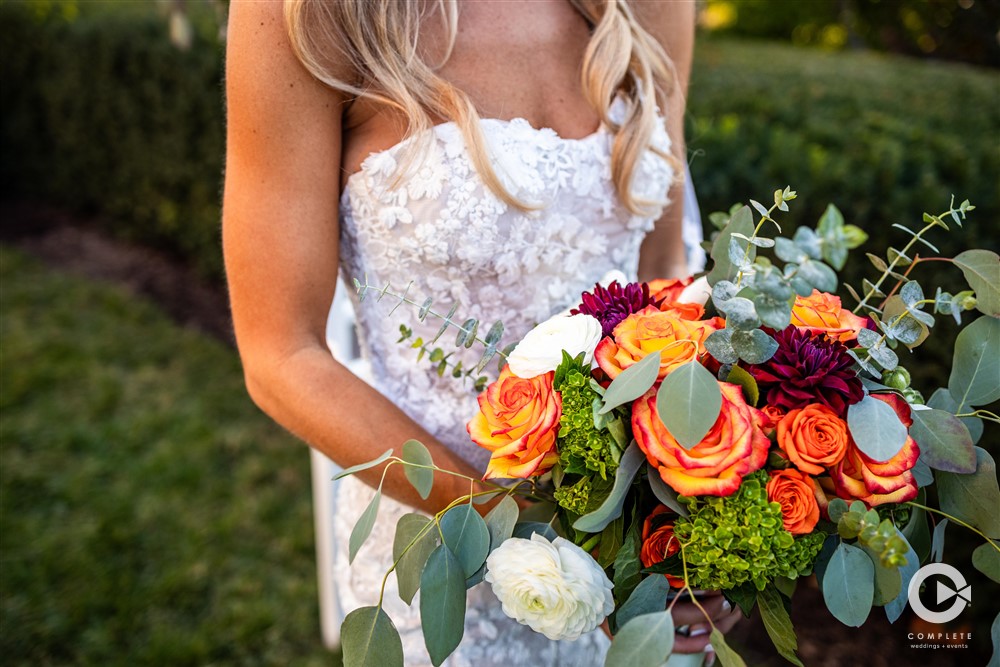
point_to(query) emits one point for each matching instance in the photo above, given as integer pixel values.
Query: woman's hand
(686, 614)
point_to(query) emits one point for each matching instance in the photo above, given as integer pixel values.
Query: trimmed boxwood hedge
(103, 115)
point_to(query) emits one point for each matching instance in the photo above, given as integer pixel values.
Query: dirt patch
(77, 246)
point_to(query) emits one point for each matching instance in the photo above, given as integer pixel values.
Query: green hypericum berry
(912, 396)
(898, 378)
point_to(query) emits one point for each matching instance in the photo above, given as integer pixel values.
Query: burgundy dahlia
(808, 369)
(613, 304)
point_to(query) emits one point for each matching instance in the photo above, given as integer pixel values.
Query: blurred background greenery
(149, 517)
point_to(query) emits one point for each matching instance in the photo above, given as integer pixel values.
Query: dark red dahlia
(808, 369)
(613, 304)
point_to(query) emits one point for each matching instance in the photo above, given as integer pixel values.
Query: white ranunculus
(541, 350)
(697, 292)
(555, 588)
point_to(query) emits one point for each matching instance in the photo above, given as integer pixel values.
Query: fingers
(686, 613)
(694, 630)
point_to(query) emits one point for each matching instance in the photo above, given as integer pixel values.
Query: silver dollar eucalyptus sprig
(466, 334)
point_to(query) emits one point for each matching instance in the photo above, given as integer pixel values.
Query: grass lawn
(149, 514)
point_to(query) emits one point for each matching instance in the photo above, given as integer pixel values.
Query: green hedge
(103, 115)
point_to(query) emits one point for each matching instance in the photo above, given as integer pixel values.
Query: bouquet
(733, 433)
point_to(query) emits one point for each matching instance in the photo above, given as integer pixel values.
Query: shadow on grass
(149, 514)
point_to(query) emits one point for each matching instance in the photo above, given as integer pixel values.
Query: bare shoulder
(671, 22)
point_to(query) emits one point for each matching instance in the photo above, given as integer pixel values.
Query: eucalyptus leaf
(982, 271)
(922, 474)
(648, 597)
(442, 603)
(945, 443)
(525, 529)
(773, 313)
(688, 403)
(501, 520)
(741, 314)
(787, 251)
(918, 534)
(818, 274)
(413, 531)
(742, 223)
(888, 580)
(973, 498)
(810, 243)
(726, 655)
(942, 399)
(466, 535)
(719, 345)
(368, 638)
(645, 641)
(611, 508)
(722, 292)
(778, 624)
(848, 585)
(895, 607)
(975, 371)
(753, 347)
(663, 492)
(995, 636)
(937, 541)
(422, 479)
(986, 559)
(876, 428)
(632, 383)
(363, 527)
(911, 292)
(738, 375)
(363, 466)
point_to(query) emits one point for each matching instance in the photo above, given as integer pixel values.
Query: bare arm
(672, 23)
(280, 242)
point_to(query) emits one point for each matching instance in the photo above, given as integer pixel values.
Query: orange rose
(668, 289)
(685, 311)
(651, 330)
(873, 482)
(735, 446)
(772, 415)
(518, 421)
(658, 541)
(813, 437)
(821, 313)
(794, 491)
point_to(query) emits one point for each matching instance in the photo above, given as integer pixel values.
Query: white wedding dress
(448, 237)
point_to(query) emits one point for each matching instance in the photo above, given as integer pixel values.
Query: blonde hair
(378, 38)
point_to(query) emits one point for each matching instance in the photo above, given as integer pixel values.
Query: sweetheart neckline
(484, 122)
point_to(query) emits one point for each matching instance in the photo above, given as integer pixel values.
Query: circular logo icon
(959, 590)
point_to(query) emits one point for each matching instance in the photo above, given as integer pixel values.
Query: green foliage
(583, 446)
(442, 603)
(741, 538)
(370, 639)
(847, 129)
(149, 517)
(103, 115)
(848, 585)
(875, 533)
(688, 403)
(645, 641)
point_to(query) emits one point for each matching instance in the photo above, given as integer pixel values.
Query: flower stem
(958, 521)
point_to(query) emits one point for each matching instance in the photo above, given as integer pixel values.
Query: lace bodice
(448, 237)
(446, 233)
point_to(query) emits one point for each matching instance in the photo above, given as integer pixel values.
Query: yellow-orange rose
(876, 483)
(794, 491)
(735, 446)
(813, 437)
(651, 330)
(822, 313)
(518, 420)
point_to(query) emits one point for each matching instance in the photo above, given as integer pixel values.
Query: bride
(501, 155)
